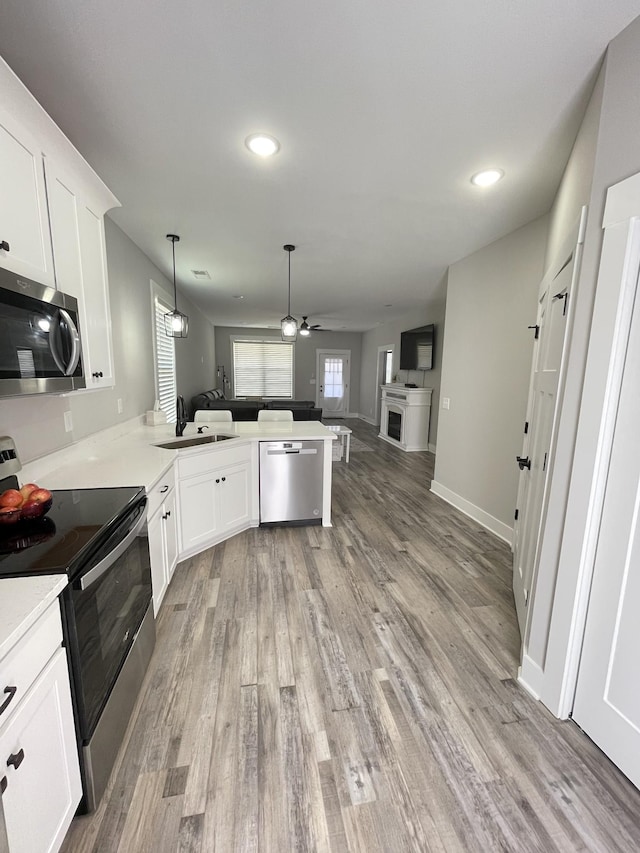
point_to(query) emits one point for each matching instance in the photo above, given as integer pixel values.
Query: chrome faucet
(181, 415)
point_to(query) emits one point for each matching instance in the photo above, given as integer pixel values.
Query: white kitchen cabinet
(24, 224)
(163, 536)
(38, 751)
(215, 503)
(79, 253)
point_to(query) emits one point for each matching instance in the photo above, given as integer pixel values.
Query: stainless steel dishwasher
(291, 481)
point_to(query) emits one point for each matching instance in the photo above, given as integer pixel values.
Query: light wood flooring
(353, 689)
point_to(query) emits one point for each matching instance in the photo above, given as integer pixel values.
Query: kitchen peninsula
(198, 495)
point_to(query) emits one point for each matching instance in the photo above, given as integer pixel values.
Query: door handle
(523, 462)
(11, 692)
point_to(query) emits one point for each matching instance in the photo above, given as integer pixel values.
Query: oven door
(40, 349)
(104, 608)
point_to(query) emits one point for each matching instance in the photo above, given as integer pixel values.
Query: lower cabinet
(163, 547)
(213, 505)
(39, 762)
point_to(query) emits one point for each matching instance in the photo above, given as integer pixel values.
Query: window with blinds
(263, 368)
(165, 365)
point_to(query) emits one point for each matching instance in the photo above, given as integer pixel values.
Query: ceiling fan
(306, 329)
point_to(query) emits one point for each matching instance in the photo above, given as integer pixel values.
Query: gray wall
(389, 333)
(491, 299)
(37, 423)
(305, 357)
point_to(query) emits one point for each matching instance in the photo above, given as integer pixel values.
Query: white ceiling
(383, 111)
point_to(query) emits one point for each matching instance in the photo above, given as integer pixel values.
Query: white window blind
(165, 362)
(263, 369)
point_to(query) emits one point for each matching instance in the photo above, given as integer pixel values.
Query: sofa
(247, 410)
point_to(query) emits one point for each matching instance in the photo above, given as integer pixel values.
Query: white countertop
(132, 459)
(23, 601)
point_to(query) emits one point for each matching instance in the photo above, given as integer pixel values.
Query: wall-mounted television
(416, 348)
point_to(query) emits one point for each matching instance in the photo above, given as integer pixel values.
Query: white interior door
(607, 701)
(333, 382)
(536, 461)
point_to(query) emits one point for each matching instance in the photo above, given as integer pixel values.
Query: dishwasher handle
(308, 451)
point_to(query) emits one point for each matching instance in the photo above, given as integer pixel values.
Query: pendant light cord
(175, 290)
(289, 297)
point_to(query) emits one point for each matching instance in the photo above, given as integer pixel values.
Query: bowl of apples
(29, 502)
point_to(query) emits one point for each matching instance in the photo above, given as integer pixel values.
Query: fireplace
(404, 416)
(394, 425)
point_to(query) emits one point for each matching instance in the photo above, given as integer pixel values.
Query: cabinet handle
(4, 245)
(217, 481)
(164, 489)
(224, 479)
(97, 374)
(12, 692)
(16, 759)
(3, 784)
(167, 514)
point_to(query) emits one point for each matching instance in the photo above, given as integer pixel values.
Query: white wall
(37, 423)
(491, 299)
(389, 333)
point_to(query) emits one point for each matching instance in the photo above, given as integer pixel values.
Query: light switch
(445, 402)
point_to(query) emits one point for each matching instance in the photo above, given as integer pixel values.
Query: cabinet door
(43, 779)
(198, 510)
(170, 522)
(234, 496)
(80, 266)
(96, 298)
(24, 222)
(155, 531)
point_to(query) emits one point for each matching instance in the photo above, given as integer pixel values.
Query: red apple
(39, 495)
(11, 498)
(26, 490)
(9, 514)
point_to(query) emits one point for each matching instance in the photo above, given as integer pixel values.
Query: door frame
(377, 410)
(563, 607)
(346, 354)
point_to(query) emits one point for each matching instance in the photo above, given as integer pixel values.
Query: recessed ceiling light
(487, 177)
(262, 144)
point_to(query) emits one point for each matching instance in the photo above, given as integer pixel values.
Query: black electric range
(98, 538)
(64, 540)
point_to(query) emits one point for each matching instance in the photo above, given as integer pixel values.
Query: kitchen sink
(194, 441)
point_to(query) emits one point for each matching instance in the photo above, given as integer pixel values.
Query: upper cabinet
(24, 224)
(52, 207)
(77, 233)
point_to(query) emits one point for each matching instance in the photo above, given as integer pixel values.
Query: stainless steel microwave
(40, 345)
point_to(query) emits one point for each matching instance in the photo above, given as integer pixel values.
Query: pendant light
(288, 324)
(176, 324)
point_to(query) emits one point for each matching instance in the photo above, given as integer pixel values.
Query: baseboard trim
(497, 527)
(367, 420)
(432, 448)
(530, 676)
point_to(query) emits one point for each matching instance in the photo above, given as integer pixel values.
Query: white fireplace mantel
(404, 416)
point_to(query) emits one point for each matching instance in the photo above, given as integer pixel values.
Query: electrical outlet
(445, 402)
(68, 422)
(312, 382)
(120, 406)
